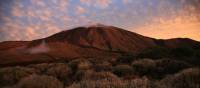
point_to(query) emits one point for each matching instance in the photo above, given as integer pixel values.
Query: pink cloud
(80, 10)
(38, 2)
(17, 29)
(16, 10)
(97, 3)
(126, 1)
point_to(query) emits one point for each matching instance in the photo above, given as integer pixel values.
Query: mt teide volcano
(87, 42)
(106, 38)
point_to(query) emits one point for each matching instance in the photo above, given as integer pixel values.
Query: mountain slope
(104, 38)
(86, 42)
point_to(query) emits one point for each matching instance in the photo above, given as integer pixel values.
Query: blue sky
(33, 19)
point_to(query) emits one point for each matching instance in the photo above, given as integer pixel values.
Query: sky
(25, 20)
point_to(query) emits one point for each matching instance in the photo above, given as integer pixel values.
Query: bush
(144, 66)
(122, 70)
(138, 83)
(92, 75)
(100, 75)
(168, 66)
(158, 68)
(97, 84)
(135, 83)
(60, 71)
(103, 66)
(11, 75)
(182, 52)
(188, 78)
(41, 67)
(37, 81)
(80, 64)
(84, 65)
(154, 53)
(126, 58)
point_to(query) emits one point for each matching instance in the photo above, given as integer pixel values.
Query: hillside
(90, 42)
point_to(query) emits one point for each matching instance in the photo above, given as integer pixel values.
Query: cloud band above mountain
(33, 19)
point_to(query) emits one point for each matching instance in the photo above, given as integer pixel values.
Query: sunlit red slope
(87, 42)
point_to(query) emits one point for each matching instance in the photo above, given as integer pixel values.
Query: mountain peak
(103, 37)
(93, 25)
(97, 25)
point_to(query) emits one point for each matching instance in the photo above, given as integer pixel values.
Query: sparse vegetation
(84, 65)
(126, 58)
(61, 71)
(80, 64)
(154, 53)
(188, 78)
(104, 83)
(39, 81)
(103, 66)
(167, 66)
(122, 70)
(144, 66)
(100, 73)
(11, 75)
(41, 67)
(158, 68)
(183, 53)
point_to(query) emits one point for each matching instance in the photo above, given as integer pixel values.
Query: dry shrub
(170, 66)
(188, 78)
(39, 81)
(11, 75)
(126, 58)
(104, 83)
(143, 66)
(74, 62)
(42, 67)
(138, 83)
(100, 75)
(84, 65)
(60, 71)
(96, 84)
(103, 66)
(80, 64)
(122, 70)
(144, 63)
(157, 69)
(92, 75)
